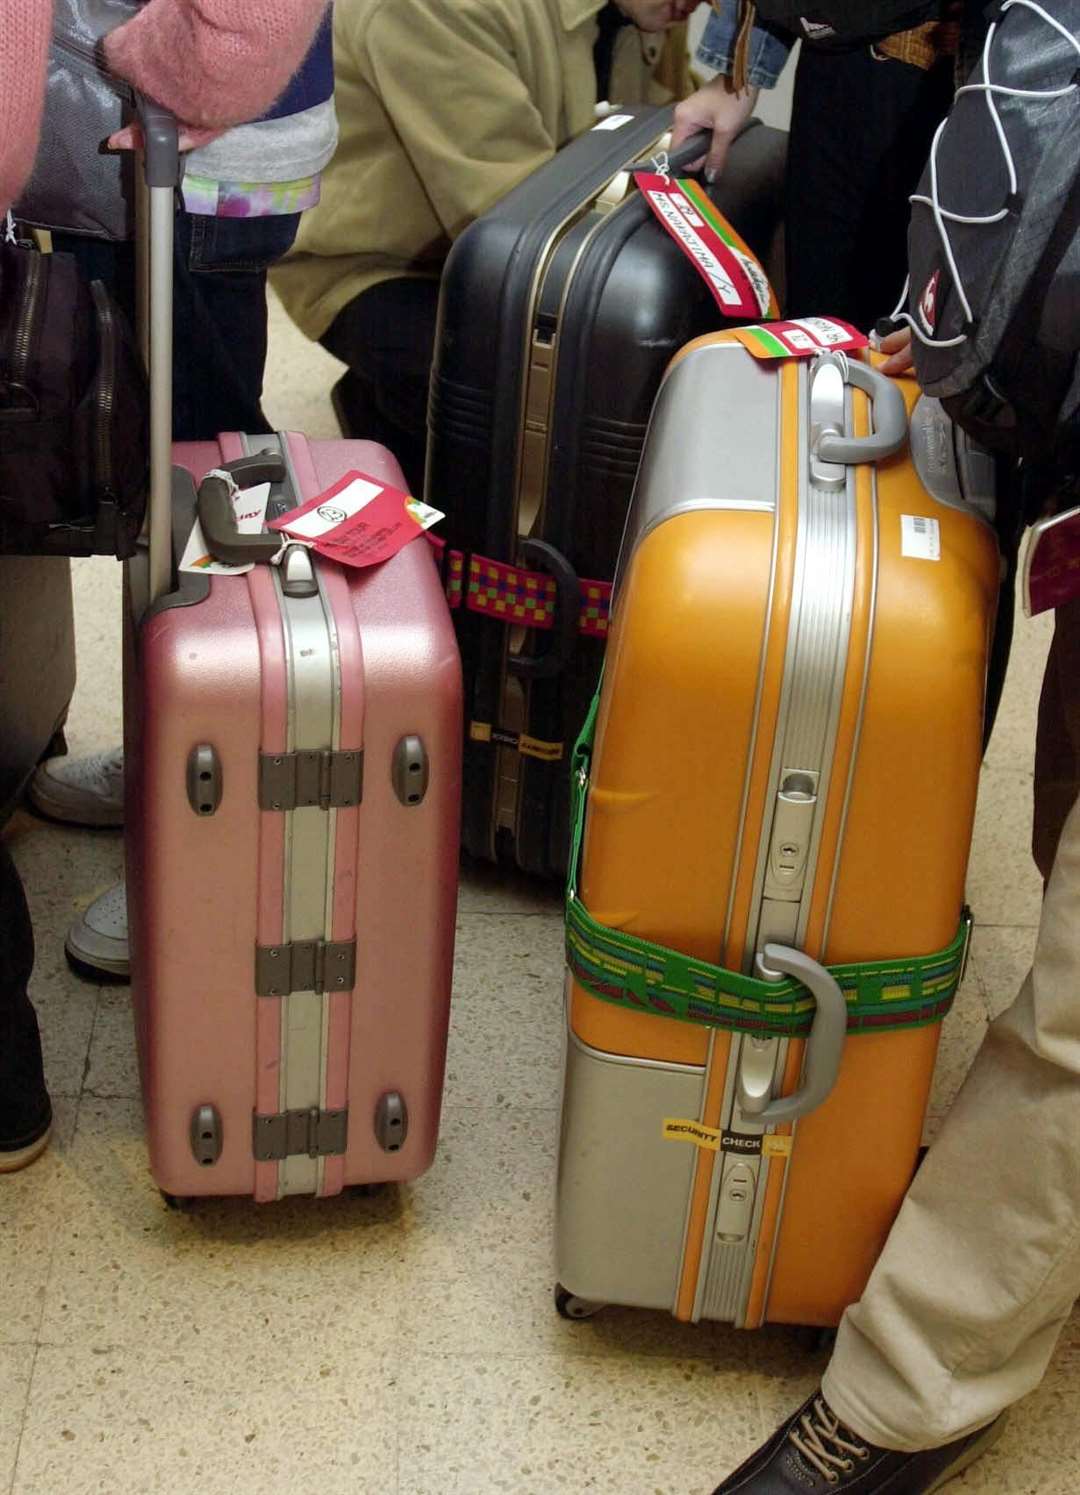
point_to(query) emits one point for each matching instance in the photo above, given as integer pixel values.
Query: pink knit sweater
(212, 62)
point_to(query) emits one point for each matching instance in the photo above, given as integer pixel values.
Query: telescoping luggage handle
(161, 156)
(161, 161)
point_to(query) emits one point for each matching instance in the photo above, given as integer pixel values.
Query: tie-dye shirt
(273, 166)
(249, 199)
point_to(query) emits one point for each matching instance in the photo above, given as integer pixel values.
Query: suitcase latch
(305, 1133)
(323, 779)
(305, 965)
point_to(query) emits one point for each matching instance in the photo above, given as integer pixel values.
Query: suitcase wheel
(175, 1201)
(570, 1307)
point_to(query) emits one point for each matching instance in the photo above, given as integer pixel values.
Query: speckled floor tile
(31, 1203)
(127, 1271)
(1004, 886)
(485, 1204)
(1004, 957)
(489, 1308)
(552, 1427)
(112, 1068)
(507, 1017)
(176, 1417)
(477, 1254)
(1012, 745)
(16, 1363)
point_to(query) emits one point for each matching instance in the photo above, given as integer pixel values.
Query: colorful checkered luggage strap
(645, 977)
(514, 595)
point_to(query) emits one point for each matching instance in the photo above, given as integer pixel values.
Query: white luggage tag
(249, 506)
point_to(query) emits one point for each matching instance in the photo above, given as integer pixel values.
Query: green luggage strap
(638, 975)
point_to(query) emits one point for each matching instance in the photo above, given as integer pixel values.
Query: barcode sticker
(920, 537)
(614, 122)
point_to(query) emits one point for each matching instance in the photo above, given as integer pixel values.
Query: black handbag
(74, 413)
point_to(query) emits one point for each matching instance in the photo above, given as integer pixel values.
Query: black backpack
(74, 454)
(994, 248)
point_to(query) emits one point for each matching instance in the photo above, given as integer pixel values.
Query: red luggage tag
(359, 521)
(801, 338)
(739, 285)
(1051, 574)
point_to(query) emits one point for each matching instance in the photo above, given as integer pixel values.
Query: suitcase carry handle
(217, 517)
(693, 148)
(824, 1044)
(890, 415)
(539, 554)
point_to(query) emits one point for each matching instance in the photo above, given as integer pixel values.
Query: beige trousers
(982, 1267)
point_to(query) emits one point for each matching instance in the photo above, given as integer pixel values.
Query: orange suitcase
(765, 926)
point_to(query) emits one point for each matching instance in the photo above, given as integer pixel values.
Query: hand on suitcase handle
(824, 1046)
(694, 148)
(161, 143)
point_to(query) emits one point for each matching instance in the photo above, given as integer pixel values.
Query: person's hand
(719, 109)
(898, 346)
(130, 138)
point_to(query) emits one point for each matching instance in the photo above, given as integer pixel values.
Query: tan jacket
(444, 105)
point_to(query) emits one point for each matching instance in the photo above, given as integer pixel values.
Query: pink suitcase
(293, 779)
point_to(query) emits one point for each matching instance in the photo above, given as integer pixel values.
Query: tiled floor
(405, 1343)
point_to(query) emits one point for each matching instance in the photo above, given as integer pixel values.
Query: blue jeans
(219, 311)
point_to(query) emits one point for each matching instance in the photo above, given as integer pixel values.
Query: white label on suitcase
(342, 506)
(920, 537)
(614, 122)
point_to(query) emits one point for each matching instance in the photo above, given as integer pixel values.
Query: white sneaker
(83, 791)
(98, 939)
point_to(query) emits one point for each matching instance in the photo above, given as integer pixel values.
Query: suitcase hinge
(298, 781)
(305, 1133)
(305, 965)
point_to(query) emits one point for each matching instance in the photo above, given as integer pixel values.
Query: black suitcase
(559, 312)
(37, 666)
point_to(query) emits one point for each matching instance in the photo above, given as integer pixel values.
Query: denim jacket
(769, 47)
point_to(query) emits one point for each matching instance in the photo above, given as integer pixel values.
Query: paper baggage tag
(249, 506)
(801, 338)
(739, 285)
(359, 521)
(920, 537)
(1051, 573)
